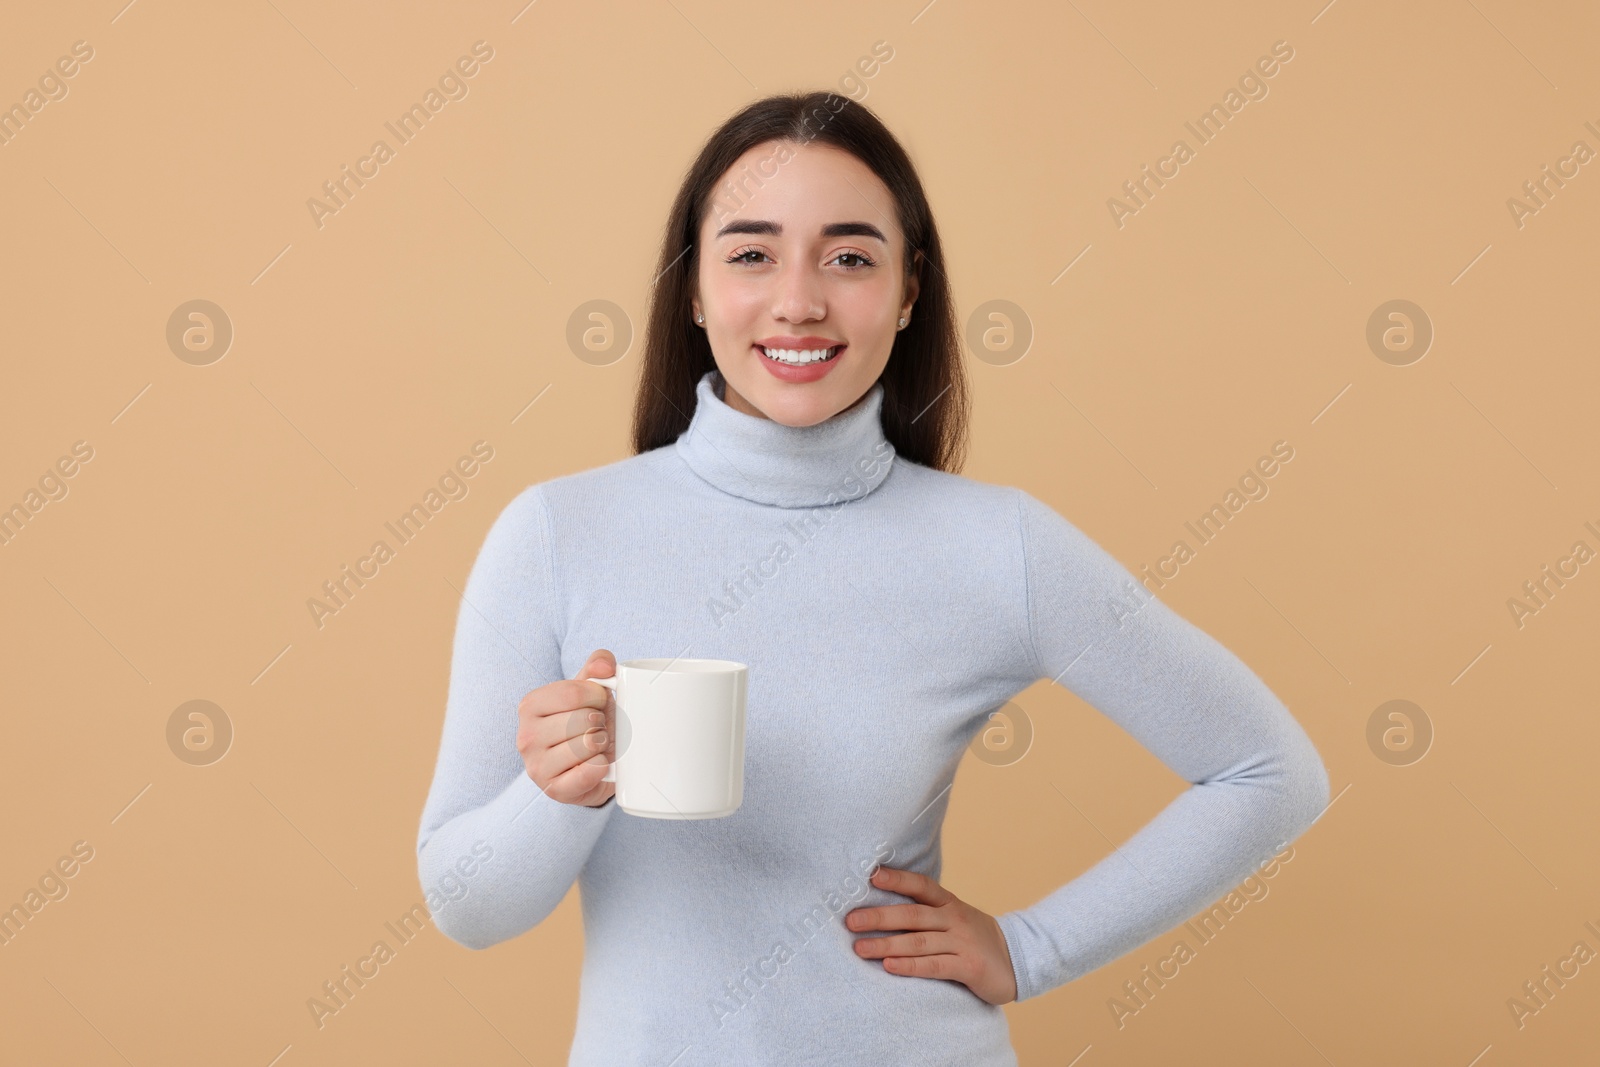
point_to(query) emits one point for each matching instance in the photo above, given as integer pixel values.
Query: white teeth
(790, 355)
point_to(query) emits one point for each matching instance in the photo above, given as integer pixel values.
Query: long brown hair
(925, 401)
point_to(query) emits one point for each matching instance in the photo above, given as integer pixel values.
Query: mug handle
(611, 769)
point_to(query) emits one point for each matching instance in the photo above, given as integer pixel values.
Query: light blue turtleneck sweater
(885, 609)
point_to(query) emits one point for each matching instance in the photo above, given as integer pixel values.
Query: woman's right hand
(564, 734)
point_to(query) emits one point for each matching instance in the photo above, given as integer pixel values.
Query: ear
(914, 278)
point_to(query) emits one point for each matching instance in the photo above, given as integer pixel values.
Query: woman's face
(811, 258)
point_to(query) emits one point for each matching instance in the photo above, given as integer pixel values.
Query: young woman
(792, 504)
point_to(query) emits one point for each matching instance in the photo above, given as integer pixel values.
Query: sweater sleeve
(482, 801)
(1256, 780)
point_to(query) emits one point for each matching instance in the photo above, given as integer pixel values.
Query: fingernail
(597, 718)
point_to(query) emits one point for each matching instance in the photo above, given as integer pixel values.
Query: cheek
(741, 313)
(732, 299)
(866, 309)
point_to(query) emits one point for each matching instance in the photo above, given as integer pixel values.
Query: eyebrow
(775, 229)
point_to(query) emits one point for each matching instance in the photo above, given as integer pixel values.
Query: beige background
(1229, 313)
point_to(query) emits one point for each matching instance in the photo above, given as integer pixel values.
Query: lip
(810, 372)
(803, 344)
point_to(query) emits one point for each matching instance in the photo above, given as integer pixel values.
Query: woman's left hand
(950, 939)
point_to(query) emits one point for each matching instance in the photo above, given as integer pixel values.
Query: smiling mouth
(801, 357)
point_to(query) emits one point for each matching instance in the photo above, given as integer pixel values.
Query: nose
(799, 296)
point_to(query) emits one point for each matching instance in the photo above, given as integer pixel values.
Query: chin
(802, 405)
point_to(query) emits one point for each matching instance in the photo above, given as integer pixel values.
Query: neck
(842, 458)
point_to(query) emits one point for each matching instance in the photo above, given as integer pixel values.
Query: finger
(578, 780)
(576, 723)
(583, 747)
(564, 695)
(571, 693)
(918, 943)
(956, 968)
(570, 731)
(537, 731)
(601, 664)
(898, 917)
(552, 730)
(910, 883)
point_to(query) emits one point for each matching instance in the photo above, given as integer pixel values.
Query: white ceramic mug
(679, 739)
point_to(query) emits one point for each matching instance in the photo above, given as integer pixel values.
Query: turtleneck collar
(841, 458)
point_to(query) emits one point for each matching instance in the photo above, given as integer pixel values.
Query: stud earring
(700, 319)
(902, 323)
